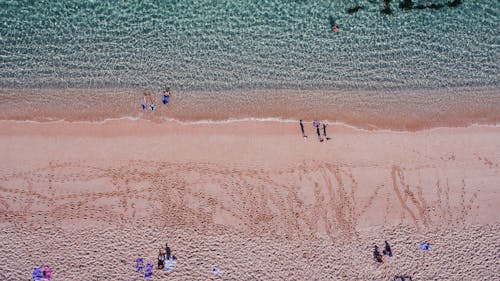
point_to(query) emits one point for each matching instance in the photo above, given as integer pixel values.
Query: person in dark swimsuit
(387, 249)
(167, 251)
(376, 255)
(161, 260)
(302, 129)
(324, 131)
(316, 124)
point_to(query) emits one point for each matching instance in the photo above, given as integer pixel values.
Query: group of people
(317, 125)
(165, 257)
(166, 260)
(149, 100)
(386, 252)
(42, 274)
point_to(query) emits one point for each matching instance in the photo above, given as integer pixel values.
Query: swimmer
(333, 24)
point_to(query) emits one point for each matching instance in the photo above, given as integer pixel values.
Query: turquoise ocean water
(232, 47)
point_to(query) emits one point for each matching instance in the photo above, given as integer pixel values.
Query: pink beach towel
(47, 272)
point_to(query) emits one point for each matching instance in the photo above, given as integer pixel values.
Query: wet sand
(254, 199)
(408, 110)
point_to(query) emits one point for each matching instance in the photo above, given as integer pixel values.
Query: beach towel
(47, 272)
(139, 265)
(169, 264)
(424, 246)
(148, 273)
(37, 274)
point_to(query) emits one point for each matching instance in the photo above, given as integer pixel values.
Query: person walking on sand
(302, 129)
(316, 124)
(324, 130)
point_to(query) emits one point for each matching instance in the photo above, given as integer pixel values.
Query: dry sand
(253, 199)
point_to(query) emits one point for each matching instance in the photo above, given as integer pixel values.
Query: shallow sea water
(216, 51)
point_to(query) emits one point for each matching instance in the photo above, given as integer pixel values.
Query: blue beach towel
(37, 273)
(148, 273)
(424, 246)
(139, 264)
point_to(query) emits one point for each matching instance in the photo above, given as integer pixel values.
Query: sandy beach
(126, 125)
(253, 199)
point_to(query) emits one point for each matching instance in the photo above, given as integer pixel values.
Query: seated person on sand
(376, 255)
(161, 259)
(387, 251)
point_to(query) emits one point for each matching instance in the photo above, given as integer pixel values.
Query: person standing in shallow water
(148, 98)
(166, 95)
(302, 129)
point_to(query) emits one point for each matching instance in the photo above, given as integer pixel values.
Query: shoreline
(372, 110)
(245, 120)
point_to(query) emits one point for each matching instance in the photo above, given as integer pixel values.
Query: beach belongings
(47, 272)
(37, 274)
(148, 273)
(139, 264)
(216, 271)
(169, 264)
(424, 246)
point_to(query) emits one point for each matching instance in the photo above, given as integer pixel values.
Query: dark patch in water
(387, 9)
(455, 3)
(408, 5)
(333, 21)
(355, 9)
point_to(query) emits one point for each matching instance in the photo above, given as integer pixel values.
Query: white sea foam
(245, 120)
